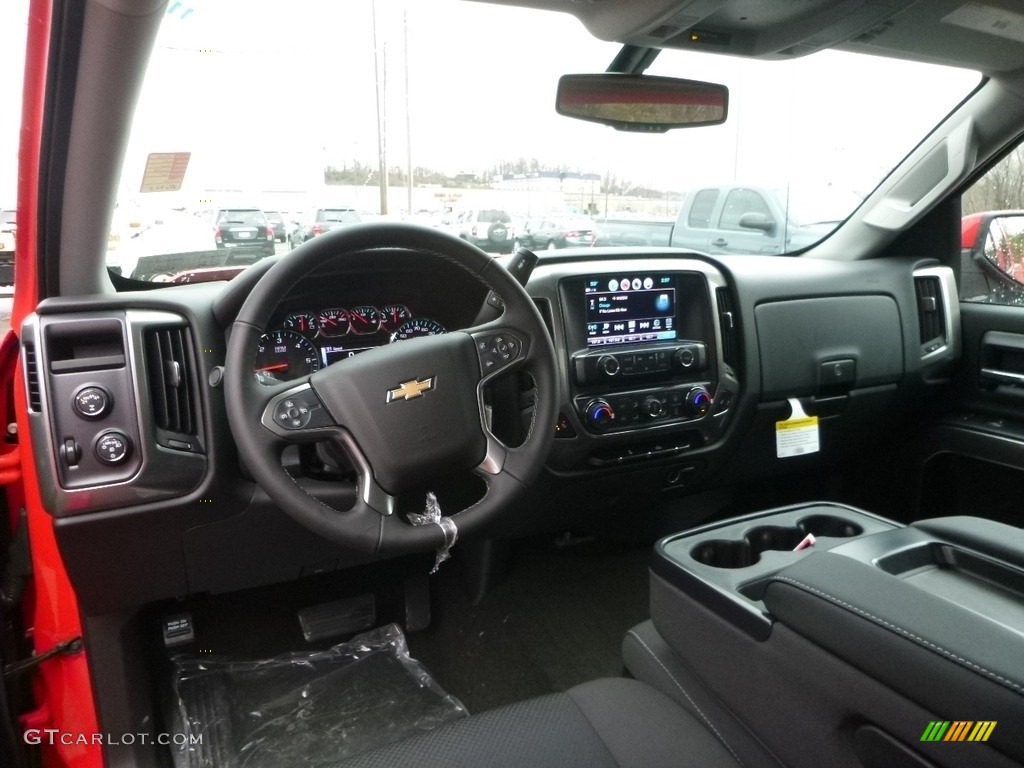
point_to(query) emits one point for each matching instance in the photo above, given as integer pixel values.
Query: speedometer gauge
(421, 326)
(284, 356)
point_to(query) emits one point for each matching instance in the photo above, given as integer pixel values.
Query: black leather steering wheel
(404, 413)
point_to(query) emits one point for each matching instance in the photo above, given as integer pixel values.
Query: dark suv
(246, 228)
(322, 220)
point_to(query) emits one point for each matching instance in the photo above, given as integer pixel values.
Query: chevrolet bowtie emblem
(409, 390)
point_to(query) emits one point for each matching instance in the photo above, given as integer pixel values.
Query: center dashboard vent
(727, 322)
(173, 386)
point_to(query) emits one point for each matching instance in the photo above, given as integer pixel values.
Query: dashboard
(304, 341)
(672, 371)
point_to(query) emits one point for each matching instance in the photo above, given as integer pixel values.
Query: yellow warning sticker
(797, 435)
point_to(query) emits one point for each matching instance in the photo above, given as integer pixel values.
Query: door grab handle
(1003, 377)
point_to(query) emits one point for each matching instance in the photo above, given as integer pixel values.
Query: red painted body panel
(62, 686)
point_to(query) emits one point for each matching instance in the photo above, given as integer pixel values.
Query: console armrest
(893, 618)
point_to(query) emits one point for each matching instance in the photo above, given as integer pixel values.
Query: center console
(837, 637)
(643, 358)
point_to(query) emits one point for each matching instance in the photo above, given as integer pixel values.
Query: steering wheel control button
(498, 350)
(293, 414)
(92, 402)
(299, 410)
(113, 447)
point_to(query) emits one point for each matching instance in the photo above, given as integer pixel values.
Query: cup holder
(733, 553)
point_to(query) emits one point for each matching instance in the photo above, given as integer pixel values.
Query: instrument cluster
(306, 341)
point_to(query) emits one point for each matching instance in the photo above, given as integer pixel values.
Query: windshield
(439, 108)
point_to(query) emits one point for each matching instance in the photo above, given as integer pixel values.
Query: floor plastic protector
(305, 709)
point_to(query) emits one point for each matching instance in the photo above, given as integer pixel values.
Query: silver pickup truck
(744, 219)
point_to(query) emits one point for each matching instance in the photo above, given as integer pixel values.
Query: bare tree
(1002, 188)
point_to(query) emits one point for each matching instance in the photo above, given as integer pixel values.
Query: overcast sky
(262, 97)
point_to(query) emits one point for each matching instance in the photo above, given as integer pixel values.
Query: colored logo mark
(958, 730)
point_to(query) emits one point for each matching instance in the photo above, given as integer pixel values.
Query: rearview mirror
(641, 102)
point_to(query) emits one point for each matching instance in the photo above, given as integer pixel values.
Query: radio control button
(608, 365)
(685, 357)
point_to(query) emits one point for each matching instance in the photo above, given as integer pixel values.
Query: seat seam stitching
(682, 690)
(962, 661)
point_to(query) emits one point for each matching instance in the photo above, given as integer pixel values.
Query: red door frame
(64, 723)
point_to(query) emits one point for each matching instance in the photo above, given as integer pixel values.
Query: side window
(738, 203)
(700, 211)
(992, 234)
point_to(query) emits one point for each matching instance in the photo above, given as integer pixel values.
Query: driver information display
(630, 309)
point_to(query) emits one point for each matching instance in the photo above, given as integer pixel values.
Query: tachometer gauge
(302, 322)
(285, 355)
(421, 326)
(334, 322)
(393, 315)
(363, 320)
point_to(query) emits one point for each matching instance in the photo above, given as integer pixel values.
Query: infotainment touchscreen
(630, 308)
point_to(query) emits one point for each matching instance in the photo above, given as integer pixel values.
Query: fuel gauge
(302, 322)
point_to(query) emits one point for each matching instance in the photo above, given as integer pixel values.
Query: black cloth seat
(610, 723)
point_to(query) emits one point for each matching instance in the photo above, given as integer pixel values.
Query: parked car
(625, 230)
(383, 501)
(487, 228)
(276, 221)
(554, 232)
(246, 229)
(321, 220)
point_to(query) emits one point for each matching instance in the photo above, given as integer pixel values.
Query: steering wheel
(403, 413)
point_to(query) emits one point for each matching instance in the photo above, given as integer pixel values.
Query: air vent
(931, 312)
(544, 307)
(173, 386)
(35, 394)
(727, 321)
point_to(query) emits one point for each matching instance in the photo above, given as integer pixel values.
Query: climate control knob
(608, 365)
(698, 402)
(599, 414)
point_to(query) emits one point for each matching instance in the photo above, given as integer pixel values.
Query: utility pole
(408, 118)
(380, 83)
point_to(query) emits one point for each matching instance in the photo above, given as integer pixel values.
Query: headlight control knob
(113, 447)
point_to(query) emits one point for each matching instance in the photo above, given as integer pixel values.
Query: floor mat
(305, 709)
(556, 620)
